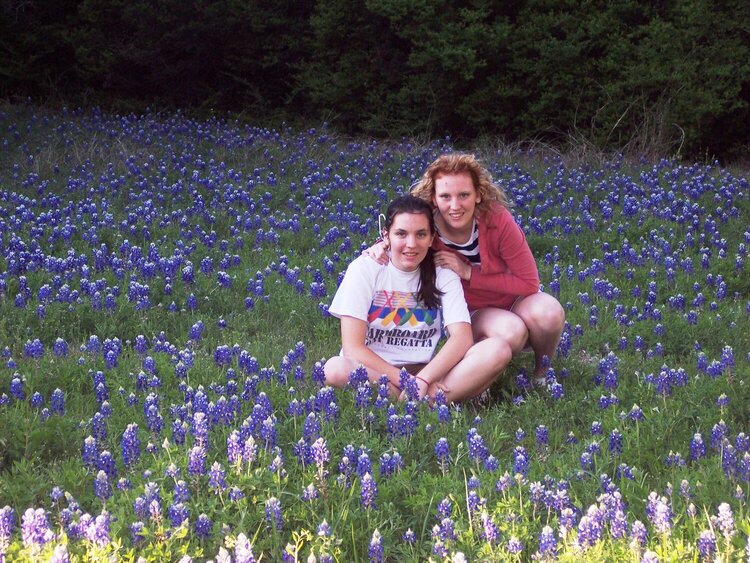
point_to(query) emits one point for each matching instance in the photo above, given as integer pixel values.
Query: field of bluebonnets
(163, 292)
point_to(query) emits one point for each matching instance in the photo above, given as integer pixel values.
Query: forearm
(525, 283)
(363, 355)
(450, 354)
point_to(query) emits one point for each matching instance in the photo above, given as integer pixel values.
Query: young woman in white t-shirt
(393, 315)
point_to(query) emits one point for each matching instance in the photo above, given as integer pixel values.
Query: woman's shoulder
(495, 216)
(445, 276)
(365, 264)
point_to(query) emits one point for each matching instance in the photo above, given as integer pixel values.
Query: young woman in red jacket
(480, 241)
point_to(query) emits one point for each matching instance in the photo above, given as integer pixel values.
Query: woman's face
(409, 238)
(456, 199)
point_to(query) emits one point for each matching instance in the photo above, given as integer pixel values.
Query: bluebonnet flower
(310, 493)
(217, 477)
(137, 533)
(725, 521)
(60, 348)
(503, 483)
(203, 527)
(590, 527)
(478, 452)
(375, 551)
(542, 435)
(490, 531)
(515, 546)
(97, 531)
(568, 520)
(636, 414)
(547, 543)
(311, 429)
(718, 433)
(236, 494)
(659, 513)
(638, 535)
(409, 536)
(390, 464)
(37, 400)
(243, 550)
(520, 461)
(60, 554)
(197, 461)
(697, 447)
(444, 509)
(369, 492)
(7, 523)
(178, 513)
(274, 517)
(706, 545)
(16, 387)
(249, 450)
(181, 492)
(615, 442)
(200, 427)
(102, 488)
(35, 529)
(130, 445)
(57, 401)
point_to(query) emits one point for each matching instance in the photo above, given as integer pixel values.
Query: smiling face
(456, 199)
(409, 238)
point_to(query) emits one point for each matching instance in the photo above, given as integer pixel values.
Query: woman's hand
(378, 252)
(453, 261)
(422, 387)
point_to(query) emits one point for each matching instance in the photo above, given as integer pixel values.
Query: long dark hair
(428, 293)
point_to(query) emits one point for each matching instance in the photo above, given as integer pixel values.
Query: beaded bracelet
(422, 379)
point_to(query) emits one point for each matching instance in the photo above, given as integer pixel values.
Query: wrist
(422, 379)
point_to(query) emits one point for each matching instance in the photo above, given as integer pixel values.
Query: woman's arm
(378, 252)
(353, 335)
(508, 243)
(460, 339)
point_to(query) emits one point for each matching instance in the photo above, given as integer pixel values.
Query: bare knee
(504, 326)
(337, 370)
(545, 315)
(498, 353)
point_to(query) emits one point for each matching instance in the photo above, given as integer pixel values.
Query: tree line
(661, 77)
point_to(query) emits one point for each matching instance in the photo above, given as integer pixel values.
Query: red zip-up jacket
(508, 269)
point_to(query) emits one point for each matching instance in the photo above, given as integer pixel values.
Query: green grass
(337, 184)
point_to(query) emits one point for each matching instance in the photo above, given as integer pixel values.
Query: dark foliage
(662, 78)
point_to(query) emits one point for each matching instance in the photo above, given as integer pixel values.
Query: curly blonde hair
(461, 163)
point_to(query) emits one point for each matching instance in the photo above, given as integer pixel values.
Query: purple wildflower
(274, 518)
(35, 530)
(203, 527)
(707, 545)
(547, 543)
(369, 492)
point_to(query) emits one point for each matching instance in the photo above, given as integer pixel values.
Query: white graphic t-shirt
(400, 329)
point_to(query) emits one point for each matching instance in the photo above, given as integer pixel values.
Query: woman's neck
(458, 236)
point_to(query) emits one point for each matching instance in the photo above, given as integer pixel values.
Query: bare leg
(498, 334)
(482, 364)
(545, 319)
(338, 369)
(501, 324)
